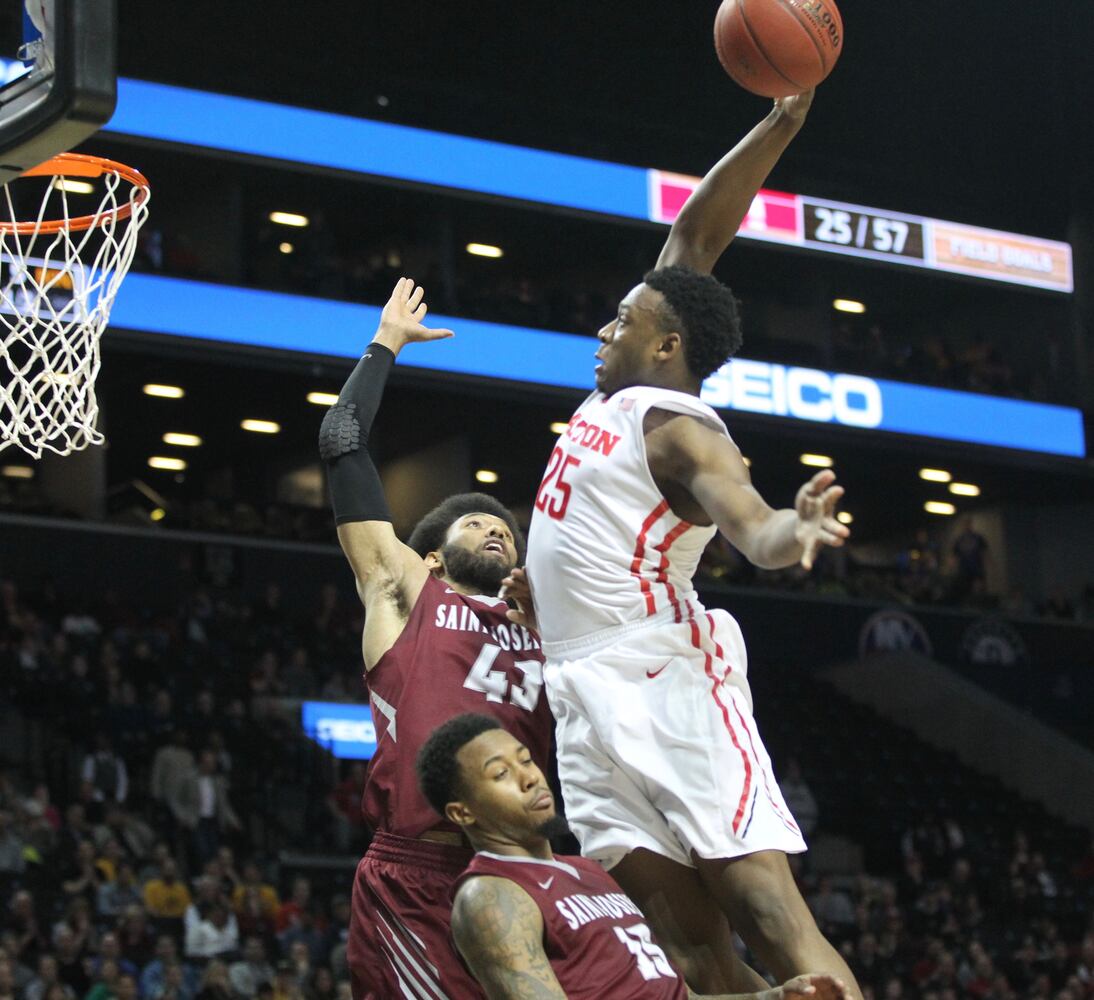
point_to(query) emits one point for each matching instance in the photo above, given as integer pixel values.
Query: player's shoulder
(484, 898)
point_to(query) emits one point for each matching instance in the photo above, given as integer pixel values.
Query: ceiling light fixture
(167, 462)
(485, 250)
(164, 391)
(261, 426)
(181, 440)
(289, 219)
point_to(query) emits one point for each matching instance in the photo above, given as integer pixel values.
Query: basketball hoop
(59, 275)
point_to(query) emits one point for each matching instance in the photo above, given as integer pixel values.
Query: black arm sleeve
(355, 490)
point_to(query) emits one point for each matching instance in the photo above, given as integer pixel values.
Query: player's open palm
(815, 986)
(401, 320)
(817, 524)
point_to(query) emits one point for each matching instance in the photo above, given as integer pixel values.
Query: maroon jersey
(457, 654)
(596, 939)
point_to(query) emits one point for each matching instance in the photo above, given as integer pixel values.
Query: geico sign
(805, 393)
(345, 731)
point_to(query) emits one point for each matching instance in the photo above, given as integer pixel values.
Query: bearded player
(528, 923)
(666, 781)
(436, 642)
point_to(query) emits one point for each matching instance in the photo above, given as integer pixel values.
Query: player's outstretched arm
(814, 986)
(387, 571)
(499, 932)
(705, 463)
(712, 215)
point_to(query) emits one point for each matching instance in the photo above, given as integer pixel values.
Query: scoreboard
(874, 234)
(272, 132)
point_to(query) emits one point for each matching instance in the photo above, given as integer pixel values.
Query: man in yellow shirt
(167, 897)
(252, 880)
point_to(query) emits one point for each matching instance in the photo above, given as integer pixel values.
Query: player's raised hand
(401, 320)
(817, 524)
(816, 986)
(796, 106)
(515, 587)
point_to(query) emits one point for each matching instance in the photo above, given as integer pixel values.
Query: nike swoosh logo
(651, 674)
(546, 885)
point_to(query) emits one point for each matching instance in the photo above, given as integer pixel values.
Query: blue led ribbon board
(225, 314)
(346, 730)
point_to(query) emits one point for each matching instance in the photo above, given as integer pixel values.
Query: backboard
(58, 77)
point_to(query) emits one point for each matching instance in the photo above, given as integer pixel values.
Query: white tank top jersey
(604, 548)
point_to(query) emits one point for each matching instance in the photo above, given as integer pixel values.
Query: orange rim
(79, 165)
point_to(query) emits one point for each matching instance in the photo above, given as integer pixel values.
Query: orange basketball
(776, 48)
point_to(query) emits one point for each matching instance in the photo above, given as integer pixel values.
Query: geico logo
(346, 730)
(805, 393)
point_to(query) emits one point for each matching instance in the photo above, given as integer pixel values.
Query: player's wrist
(391, 338)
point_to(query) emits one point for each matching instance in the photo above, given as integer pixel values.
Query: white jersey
(604, 548)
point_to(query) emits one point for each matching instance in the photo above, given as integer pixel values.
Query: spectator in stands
(47, 976)
(285, 985)
(106, 772)
(116, 895)
(970, 549)
(203, 719)
(135, 935)
(107, 984)
(208, 810)
(210, 926)
(298, 676)
(83, 875)
(252, 970)
(321, 985)
(344, 803)
(831, 907)
(1058, 606)
(300, 956)
(110, 950)
(172, 766)
(153, 978)
(12, 862)
(8, 989)
(293, 909)
(214, 983)
(803, 806)
(252, 882)
(167, 897)
(133, 834)
(70, 960)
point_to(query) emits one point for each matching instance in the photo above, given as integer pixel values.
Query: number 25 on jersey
(554, 492)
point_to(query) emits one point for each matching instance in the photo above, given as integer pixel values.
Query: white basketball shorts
(657, 747)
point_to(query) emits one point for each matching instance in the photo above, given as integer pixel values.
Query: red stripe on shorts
(662, 575)
(640, 552)
(787, 822)
(696, 641)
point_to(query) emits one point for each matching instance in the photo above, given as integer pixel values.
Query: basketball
(776, 48)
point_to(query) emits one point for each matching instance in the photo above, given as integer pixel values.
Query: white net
(59, 275)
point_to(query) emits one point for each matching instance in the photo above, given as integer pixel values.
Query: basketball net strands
(59, 274)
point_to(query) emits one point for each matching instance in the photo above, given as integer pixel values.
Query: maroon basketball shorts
(400, 943)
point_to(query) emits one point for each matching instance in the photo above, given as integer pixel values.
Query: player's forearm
(355, 489)
(773, 543)
(712, 215)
